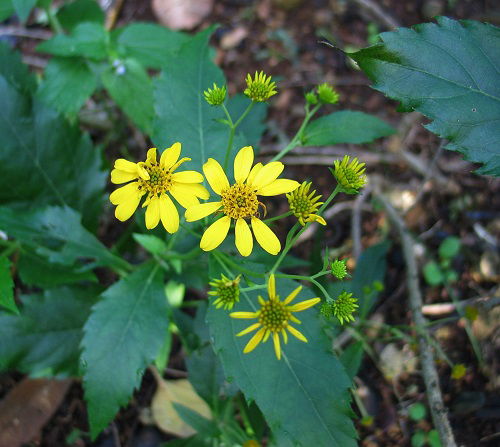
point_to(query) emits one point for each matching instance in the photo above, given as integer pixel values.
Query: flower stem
(298, 136)
(281, 216)
(54, 21)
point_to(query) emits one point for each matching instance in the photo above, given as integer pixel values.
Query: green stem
(281, 216)
(54, 21)
(232, 130)
(298, 136)
(223, 257)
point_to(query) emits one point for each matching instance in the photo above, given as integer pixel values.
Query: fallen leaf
(181, 14)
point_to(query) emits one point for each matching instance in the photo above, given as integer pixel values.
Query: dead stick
(431, 379)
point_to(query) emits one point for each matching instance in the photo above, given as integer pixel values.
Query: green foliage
(351, 358)
(130, 86)
(308, 379)
(6, 286)
(14, 72)
(449, 248)
(417, 411)
(123, 335)
(151, 243)
(439, 273)
(346, 126)
(455, 85)
(6, 10)
(23, 8)
(73, 13)
(433, 274)
(57, 234)
(45, 337)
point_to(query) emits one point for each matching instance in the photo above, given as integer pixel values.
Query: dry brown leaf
(181, 14)
(176, 391)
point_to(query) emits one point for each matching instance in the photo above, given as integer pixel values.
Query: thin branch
(438, 309)
(20, 31)
(431, 378)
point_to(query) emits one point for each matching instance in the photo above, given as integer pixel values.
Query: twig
(431, 379)
(374, 10)
(484, 302)
(19, 31)
(113, 13)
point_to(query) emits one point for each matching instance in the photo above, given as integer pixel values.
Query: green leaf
(449, 248)
(14, 71)
(23, 8)
(47, 333)
(196, 420)
(57, 234)
(182, 112)
(131, 88)
(433, 438)
(346, 126)
(152, 45)
(122, 337)
(68, 83)
(305, 394)
(352, 357)
(44, 160)
(74, 13)
(418, 439)
(89, 40)
(7, 286)
(253, 126)
(35, 270)
(417, 411)
(151, 243)
(6, 10)
(433, 274)
(457, 86)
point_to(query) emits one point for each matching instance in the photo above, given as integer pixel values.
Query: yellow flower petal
(170, 156)
(285, 336)
(168, 214)
(126, 208)
(265, 237)
(255, 170)
(124, 193)
(151, 156)
(141, 170)
(266, 336)
(215, 234)
(254, 341)
(280, 186)
(153, 213)
(187, 193)
(277, 347)
(296, 333)
(271, 286)
(244, 239)
(125, 165)
(248, 329)
(118, 176)
(243, 163)
(292, 296)
(244, 315)
(215, 175)
(316, 218)
(303, 305)
(268, 174)
(197, 212)
(187, 177)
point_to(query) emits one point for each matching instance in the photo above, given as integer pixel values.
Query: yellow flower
(260, 88)
(350, 174)
(239, 202)
(303, 204)
(156, 179)
(274, 318)
(227, 292)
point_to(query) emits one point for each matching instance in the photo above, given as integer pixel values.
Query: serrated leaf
(131, 88)
(57, 234)
(6, 286)
(346, 126)
(47, 333)
(304, 396)
(150, 44)
(182, 112)
(23, 8)
(74, 13)
(68, 83)
(43, 158)
(122, 337)
(88, 40)
(449, 72)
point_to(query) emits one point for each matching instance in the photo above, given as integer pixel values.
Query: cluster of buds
(324, 93)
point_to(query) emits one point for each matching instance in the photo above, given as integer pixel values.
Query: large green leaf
(74, 13)
(14, 71)
(45, 337)
(43, 158)
(130, 86)
(23, 8)
(68, 84)
(152, 45)
(6, 286)
(122, 337)
(57, 234)
(304, 396)
(182, 112)
(450, 72)
(346, 126)
(89, 40)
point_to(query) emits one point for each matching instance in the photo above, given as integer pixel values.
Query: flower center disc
(160, 180)
(239, 201)
(274, 316)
